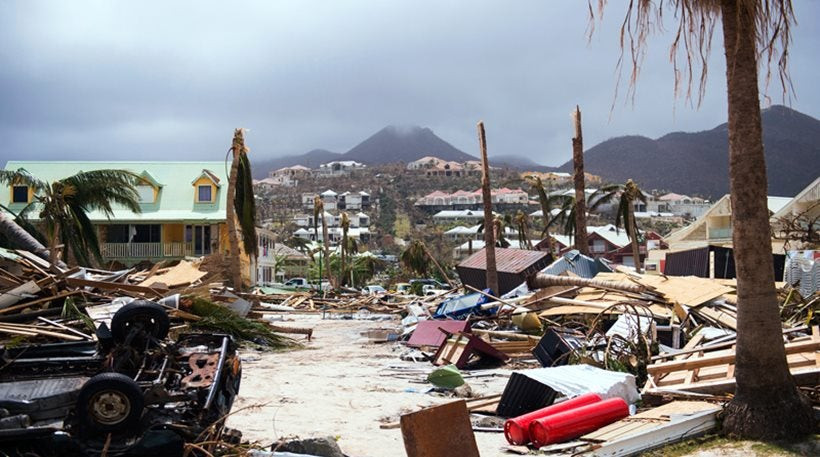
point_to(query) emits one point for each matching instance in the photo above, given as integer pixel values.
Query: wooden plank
(19, 293)
(721, 359)
(104, 285)
(440, 431)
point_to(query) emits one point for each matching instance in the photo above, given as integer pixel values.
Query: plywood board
(440, 431)
(181, 274)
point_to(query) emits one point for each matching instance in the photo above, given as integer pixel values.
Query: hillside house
(183, 208)
(286, 177)
(277, 261)
(472, 200)
(339, 168)
(433, 166)
(449, 216)
(347, 201)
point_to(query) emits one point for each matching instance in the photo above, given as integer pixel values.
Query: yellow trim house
(183, 208)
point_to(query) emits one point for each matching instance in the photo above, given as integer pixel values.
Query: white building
(339, 168)
(467, 215)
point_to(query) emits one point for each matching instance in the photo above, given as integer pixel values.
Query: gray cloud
(161, 80)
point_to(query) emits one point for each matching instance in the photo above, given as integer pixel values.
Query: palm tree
(536, 183)
(415, 259)
(766, 404)
(241, 207)
(318, 209)
(565, 217)
(20, 233)
(628, 193)
(345, 224)
(64, 206)
(522, 222)
(578, 178)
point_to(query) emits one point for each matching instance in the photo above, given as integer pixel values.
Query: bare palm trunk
(326, 249)
(581, 242)
(633, 234)
(230, 212)
(489, 239)
(344, 252)
(54, 242)
(22, 238)
(767, 404)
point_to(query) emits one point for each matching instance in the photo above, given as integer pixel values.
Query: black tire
(109, 403)
(148, 319)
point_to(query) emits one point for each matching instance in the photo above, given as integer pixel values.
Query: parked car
(302, 283)
(132, 392)
(429, 289)
(373, 290)
(402, 288)
(430, 282)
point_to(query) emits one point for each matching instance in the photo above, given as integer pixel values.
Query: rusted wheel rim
(109, 407)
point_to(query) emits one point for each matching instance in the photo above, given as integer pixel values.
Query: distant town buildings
(339, 168)
(332, 200)
(433, 166)
(463, 199)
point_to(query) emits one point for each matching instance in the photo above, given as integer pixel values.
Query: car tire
(151, 317)
(109, 403)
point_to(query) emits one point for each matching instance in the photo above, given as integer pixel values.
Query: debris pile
(613, 363)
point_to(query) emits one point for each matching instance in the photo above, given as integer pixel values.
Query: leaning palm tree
(564, 218)
(766, 404)
(543, 198)
(64, 206)
(241, 207)
(17, 231)
(627, 195)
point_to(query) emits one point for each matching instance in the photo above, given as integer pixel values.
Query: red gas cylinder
(517, 429)
(567, 425)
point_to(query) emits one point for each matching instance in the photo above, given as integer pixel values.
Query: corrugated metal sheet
(513, 266)
(507, 260)
(692, 262)
(579, 264)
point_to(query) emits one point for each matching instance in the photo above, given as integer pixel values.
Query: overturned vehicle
(132, 392)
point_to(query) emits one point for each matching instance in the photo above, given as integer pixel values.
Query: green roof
(176, 196)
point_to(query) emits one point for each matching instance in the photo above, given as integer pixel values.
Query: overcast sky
(171, 79)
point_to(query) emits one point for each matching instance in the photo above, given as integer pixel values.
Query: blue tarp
(465, 305)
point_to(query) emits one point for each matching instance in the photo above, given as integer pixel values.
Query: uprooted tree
(767, 404)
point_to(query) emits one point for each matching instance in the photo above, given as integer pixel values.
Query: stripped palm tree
(345, 224)
(767, 404)
(241, 207)
(64, 206)
(627, 195)
(17, 231)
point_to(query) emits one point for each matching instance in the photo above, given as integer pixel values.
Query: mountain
(518, 163)
(404, 144)
(697, 163)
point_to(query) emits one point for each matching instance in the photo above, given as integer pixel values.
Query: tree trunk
(633, 235)
(766, 404)
(22, 238)
(326, 249)
(234, 265)
(344, 251)
(489, 239)
(581, 242)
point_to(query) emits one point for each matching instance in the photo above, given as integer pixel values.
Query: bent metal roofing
(175, 202)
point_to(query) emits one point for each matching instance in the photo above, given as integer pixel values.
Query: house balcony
(149, 250)
(720, 233)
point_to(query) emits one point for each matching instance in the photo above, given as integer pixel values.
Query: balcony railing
(720, 233)
(147, 250)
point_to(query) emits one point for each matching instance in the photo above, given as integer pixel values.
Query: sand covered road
(336, 386)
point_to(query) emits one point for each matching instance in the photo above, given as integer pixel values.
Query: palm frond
(99, 189)
(21, 177)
